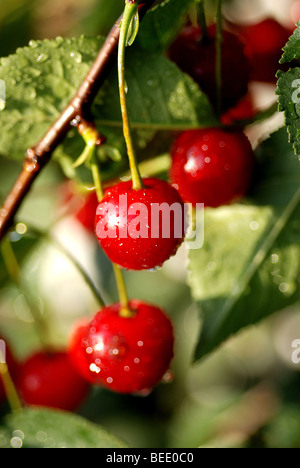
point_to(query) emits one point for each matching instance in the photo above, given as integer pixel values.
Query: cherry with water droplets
(126, 354)
(212, 166)
(132, 230)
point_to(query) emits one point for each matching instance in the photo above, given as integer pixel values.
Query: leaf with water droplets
(42, 78)
(162, 23)
(47, 428)
(288, 90)
(40, 81)
(159, 96)
(249, 266)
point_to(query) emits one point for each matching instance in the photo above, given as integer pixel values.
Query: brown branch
(38, 156)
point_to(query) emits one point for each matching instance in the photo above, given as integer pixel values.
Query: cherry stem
(97, 295)
(202, 18)
(96, 177)
(9, 386)
(92, 140)
(219, 39)
(48, 237)
(130, 12)
(123, 297)
(14, 272)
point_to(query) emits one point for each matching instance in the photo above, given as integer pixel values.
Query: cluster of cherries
(131, 353)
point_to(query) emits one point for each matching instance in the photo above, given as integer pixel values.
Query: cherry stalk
(38, 156)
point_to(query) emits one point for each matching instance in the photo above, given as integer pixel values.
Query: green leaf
(161, 24)
(40, 81)
(47, 428)
(159, 96)
(42, 78)
(288, 90)
(249, 266)
(292, 49)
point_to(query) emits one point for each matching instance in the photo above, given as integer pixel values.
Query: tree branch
(38, 156)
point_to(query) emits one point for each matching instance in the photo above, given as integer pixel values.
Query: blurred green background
(245, 395)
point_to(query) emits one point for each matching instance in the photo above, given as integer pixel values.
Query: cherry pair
(126, 354)
(249, 53)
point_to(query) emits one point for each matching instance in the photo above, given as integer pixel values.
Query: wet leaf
(249, 266)
(45, 428)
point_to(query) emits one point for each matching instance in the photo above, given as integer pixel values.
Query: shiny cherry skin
(49, 379)
(124, 354)
(212, 166)
(82, 206)
(244, 110)
(196, 56)
(264, 42)
(130, 229)
(87, 212)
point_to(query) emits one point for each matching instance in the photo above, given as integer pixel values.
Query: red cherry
(13, 367)
(264, 42)
(244, 110)
(81, 205)
(126, 355)
(78, 345)
(132, 231)
(196, 56)
(87, 212)
(50, 379)
(212, 166)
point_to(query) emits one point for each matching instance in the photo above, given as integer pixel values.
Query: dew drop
(95, 368)
(42, 58)
(76, 56)
(254, 225)
(274, 259)
(143, 393)
(283, 287)
(168, 377)
(33, 44)
(153, 83)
